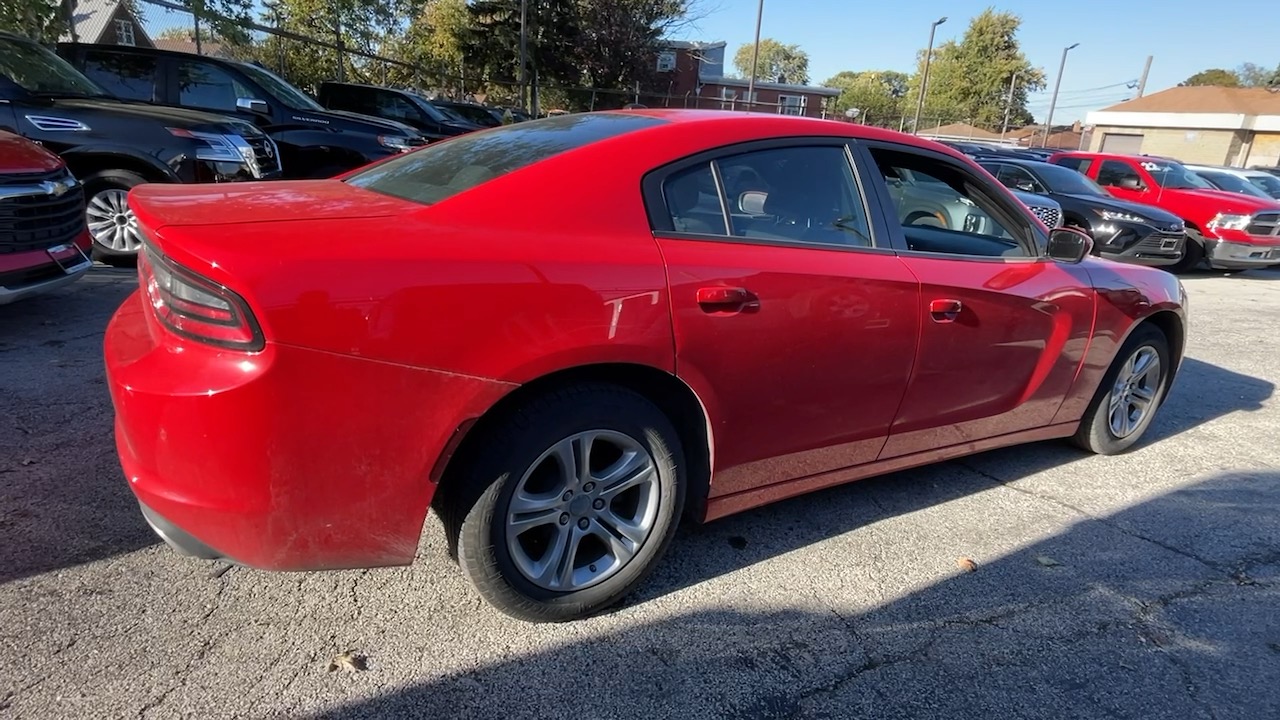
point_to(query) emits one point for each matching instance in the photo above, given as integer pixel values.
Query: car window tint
(439, 171)
(208, 86)
(391, 105)
(1114, 173)
(1017, 178)
(944, 209)
(124, 75)
(1080, 165)
(799, 194)
(693, 201)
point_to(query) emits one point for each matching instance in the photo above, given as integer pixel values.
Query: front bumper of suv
(1229, 255)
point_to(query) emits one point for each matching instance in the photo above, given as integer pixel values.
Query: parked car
(399, 105)
(1121, 230)
(1274, 171)
(43, 238)
(112, 145)
(472, 112)
(313, 142)
(1228, 182)
(564, 375)
(1246, 182)
(1226, 231)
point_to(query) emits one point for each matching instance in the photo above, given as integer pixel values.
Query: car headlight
(396, 142)
(1119, 216)
(1229, 221)
(218, 148)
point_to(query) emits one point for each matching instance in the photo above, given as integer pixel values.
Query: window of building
(792, 104)
(667, 61)
(124, 32)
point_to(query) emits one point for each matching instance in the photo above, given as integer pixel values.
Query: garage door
(1121, 143)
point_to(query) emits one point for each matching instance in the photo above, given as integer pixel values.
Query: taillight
(196, 307)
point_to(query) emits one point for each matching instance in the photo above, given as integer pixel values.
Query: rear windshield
(439, 171)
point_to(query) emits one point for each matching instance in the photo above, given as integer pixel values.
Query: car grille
(1264, 224)
(37, 220)
(1159, 242)
(1049, 216)
(266, 154)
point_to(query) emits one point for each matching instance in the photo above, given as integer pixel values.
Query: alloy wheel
(582, 511)
(112, 222)
(1134, 394)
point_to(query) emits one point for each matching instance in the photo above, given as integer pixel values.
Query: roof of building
(692, 44)
(959, 130)
(188, 46)
(1205, 99)
(762, 85)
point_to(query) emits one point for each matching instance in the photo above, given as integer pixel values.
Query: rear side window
(442, 170)
(1079, 164)
(127, 76)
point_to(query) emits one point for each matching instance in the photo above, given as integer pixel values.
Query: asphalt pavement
(1140, 586)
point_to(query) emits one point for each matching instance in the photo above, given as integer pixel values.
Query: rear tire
(112, 224)
(1129, 396)
(545, 542)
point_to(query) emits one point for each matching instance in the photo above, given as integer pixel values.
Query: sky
(1183, 36)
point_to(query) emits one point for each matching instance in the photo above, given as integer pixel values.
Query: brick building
(695, 75)
(1206, 125)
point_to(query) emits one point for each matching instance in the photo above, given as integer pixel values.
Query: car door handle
(720, 299)
(945, 311)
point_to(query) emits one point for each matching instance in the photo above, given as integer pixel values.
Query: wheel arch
(84, 162)
(668, 392)
(1175, 332)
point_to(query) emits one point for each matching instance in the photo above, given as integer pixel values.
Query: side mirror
(1068, 245)
(258, 107)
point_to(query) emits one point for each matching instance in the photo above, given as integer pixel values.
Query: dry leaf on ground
(349, 660)
(966, 564)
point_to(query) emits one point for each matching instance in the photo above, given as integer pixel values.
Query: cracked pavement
(1140, 586)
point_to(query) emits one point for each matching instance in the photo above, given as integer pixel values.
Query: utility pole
(755, 57)
(524, 54)
(1048, 123)
(924, 77)
(1009, 105)
(1142, 84)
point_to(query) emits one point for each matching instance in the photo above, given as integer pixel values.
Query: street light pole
(524, 54)
(924, 77)
(755, 57)
(1009, 105)
(1048, 123)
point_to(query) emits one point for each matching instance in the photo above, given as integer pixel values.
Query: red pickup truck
(43, 238)
(1228, 231)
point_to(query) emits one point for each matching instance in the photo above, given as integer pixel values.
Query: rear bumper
(286, 459)
(1228, 255)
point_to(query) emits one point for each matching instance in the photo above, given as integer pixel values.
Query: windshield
(291, 96)
(425, 106)
(1068, 182)
(1232, 183)
(1173, 176)
(1269, 183)
(40, 72)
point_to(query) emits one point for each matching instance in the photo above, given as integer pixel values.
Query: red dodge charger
(565, 335)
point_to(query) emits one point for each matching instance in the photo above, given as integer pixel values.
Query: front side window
(280, 90)
(391, 105)
(201, 85)
(944, 209)
(40, 72)
(1016, 178)
(440, 171)
(1268, 183)
(1115, 173)
(125, 75)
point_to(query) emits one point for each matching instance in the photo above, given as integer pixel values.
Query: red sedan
(564, 335)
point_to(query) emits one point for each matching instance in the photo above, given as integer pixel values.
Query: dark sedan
(1122, 230)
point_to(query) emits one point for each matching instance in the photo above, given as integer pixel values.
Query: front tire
(569, 503)
(1130, 394)
(112, 224)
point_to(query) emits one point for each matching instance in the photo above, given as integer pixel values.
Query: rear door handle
(945, 311)
(721, 299)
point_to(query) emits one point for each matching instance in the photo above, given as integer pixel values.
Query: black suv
(1121, 230)
(314, 142)
(400, 105)
(111, 145)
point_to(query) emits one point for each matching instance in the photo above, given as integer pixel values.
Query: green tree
(777, 62)
(491, 41)
(620, 40)
(432, 42)
(1215, 76)
(40, 20)
(969, 80)
(878, 95)
(1253, 75)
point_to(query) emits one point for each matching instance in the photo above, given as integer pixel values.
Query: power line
(1128, 83)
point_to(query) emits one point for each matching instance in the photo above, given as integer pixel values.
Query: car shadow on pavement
(63, 498)
(1167, 609)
